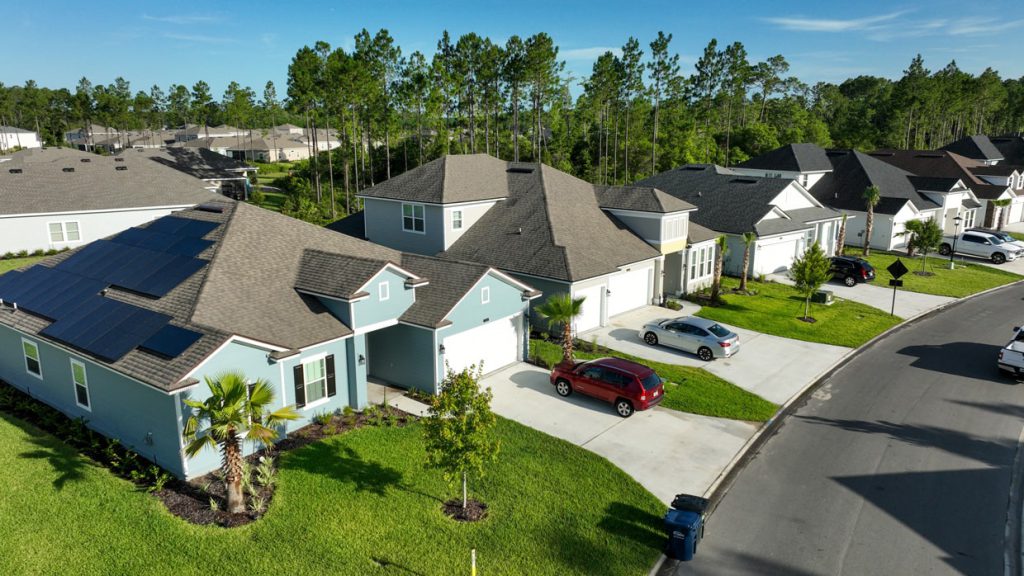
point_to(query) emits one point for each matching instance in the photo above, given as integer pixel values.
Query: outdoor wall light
(149, 439)
(440, 348)
(607, 292)
(362, 360)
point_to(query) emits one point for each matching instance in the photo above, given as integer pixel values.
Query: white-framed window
(707, 259)
(61, 232)
(803, 180)
(485, 295)
(456, 219)
(33, 365)
(968, 219)
(693, 264)
(314, 374)
(384, 291)
(81, 382)
(413, 219)
(674, 227)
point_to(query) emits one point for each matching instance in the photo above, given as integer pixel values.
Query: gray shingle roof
(939, 163)
(15, 130)
(353, 225)
(449, 282)
(854, 171)
(792, 158)
(977, 147)
(640, 199)
(200, 163)
(996, 170)
(449, 179)
(933, 183)
(697, 233)
(335, 275)
(43, 185)
(1011, 147)
(550, 226)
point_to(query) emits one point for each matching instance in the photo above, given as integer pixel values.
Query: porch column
(355, 349)
(659, 280)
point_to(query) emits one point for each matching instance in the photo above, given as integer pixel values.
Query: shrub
(38, 253)
(673, 305)
(322, 418)
(8, 256)
(22, 254)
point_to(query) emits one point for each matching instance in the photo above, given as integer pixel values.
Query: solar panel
(182, 226)
(169, 243)
(106, 328)
(197, 228)
(161, 280)
(171, 341)
(167, 224)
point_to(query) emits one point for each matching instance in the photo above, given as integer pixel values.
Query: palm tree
(562, 309)
(999, 216)
(871, 197)
(721, 247)
(235, 410)
(841, 241)
(748, 243)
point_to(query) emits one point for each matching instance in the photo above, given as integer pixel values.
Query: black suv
(851, 270)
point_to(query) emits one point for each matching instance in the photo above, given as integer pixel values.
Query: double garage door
(496, 344)
(1016, 210)
(624, 291)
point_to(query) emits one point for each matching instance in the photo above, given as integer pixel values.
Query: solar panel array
(149, 261)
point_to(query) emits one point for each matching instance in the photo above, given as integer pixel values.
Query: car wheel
(624, 408)
(945, 249)
(705, 354)
(651, 338)
(563, 388)
(850, 281)
(998, 258)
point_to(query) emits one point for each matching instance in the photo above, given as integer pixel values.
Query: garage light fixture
(362, 360)
(607, 292)
(440, 348)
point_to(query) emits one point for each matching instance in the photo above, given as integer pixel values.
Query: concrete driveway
(772, 367)
(666, 451)
(878, 295)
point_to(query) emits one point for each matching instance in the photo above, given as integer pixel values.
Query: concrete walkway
(666, 451)
(772, 367)
(377, 393)
(878, 295)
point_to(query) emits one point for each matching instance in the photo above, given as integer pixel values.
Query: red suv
(627, 385)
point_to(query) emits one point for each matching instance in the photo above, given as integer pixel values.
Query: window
(674, 227)
(315, 377)
(412, 218)
(969, 219)
(485, 295)
(693, 264)
(803, 180)
(616, 378)
(456, 219)
(32, 362)
(64, 232)
(593, 372)
(707, 261)
(78, 377)
(384, 291)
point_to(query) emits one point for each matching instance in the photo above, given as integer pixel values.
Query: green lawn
(1017, 235)
(361, 503)
(688, 389)
(968, 278)
(273, 200)
(777, 309)
(15, 263)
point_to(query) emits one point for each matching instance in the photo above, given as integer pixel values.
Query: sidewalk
(877, 295)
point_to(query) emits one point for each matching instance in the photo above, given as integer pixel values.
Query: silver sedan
(705, 338)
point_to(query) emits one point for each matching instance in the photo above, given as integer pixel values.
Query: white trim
(105, 211)
(444, 204)
(502, 276)
(319, 402)
(335, 298)
(375, 326)
(325, 343)
(322, 356)
(389, 265)
(649, 215)
(423, 218)
(219, 349)
(63, 231)
(179, 421)
(384, 291)
(74, 384)
(38, 359)
(485, 295)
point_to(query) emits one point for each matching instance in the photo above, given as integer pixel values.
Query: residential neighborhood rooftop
(800, 157)
(977, 147)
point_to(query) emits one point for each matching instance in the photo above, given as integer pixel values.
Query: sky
(56, 42)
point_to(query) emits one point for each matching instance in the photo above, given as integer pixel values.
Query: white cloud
(587, 53)
(183, 18)
(200, 38)
(983, 25)
(833, 25)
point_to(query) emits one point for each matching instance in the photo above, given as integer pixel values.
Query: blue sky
(59, 41)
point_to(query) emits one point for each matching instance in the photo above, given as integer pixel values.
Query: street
(901, 463)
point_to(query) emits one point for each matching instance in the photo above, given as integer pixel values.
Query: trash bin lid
(682, 520)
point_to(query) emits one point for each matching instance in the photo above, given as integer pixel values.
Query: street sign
(897, 269)
(894, 283)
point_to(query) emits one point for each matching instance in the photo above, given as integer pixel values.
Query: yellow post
(472, 557)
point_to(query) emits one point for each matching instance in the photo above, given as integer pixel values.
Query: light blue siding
(384, 226)
(373, 310)
(547, 288)
(140, 416)
(404, 356)
(355, 355)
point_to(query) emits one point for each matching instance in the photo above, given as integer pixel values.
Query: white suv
(981, 245)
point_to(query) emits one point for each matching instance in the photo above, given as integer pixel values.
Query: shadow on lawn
(595, 555)
(345, 465)
(67, 464)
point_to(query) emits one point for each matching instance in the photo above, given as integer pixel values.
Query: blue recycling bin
(685, 529)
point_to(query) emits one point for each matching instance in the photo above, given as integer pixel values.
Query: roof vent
(119, 159)
(216, 208)
(700, 194)
(15, 170)
(68, 169)
(120, 167)
(744, 180)
(882, 154)
(519, 231)
(520, 169)
(927, 155)
(836, 153)
(86, 160)
(695, 168)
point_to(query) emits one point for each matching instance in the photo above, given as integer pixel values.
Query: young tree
(458, 428)
(235, 410)
(872, 195)
(748, 243)
(561, 310)
(721, 247)
(841, 240)
(925, 236)
(809, 272)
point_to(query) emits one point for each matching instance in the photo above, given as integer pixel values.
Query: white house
(12, 137)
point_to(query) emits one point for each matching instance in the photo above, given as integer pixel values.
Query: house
(987, 181)
(541, 226)
(86, 137)
(123, 330)
(12, 138)
(1011, 147)
(224, 175)
(196, 131)
(56, 198)
(978, 148)
(785, 218)
(904, 195)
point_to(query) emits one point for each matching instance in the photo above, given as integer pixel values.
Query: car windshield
(651, 382)
(997, 240)
(718, 330)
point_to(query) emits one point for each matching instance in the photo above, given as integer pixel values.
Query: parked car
(981, 245)
(626, 385)
(1004, 236)
(1011, 357)
(851, 270)
(705, 338)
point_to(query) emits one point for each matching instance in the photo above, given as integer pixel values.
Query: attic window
(120, 167)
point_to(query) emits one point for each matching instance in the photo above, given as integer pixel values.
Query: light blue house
(123, 330)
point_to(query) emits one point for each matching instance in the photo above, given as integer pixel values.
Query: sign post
(897, 269)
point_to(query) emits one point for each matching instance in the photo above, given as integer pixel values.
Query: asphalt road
(901, 463)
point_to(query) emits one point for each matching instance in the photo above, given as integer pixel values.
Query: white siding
(32, 232)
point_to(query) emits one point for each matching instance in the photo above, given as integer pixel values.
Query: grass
(1017, 235)
(361, 503)
(15, 263)
(968, 278)
(689, 389)
(777, 308)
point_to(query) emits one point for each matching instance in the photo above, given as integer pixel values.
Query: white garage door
(774, 257)
(496, 344)
(629, 291)
(590, 315)
(1015, 212)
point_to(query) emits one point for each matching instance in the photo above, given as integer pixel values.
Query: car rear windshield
(717, 330)
(651, 382)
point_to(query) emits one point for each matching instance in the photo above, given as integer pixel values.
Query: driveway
(772, 367)
(666, 451)
(877, 295)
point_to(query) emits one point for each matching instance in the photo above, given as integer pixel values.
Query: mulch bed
(809, 320)
(474, 510)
